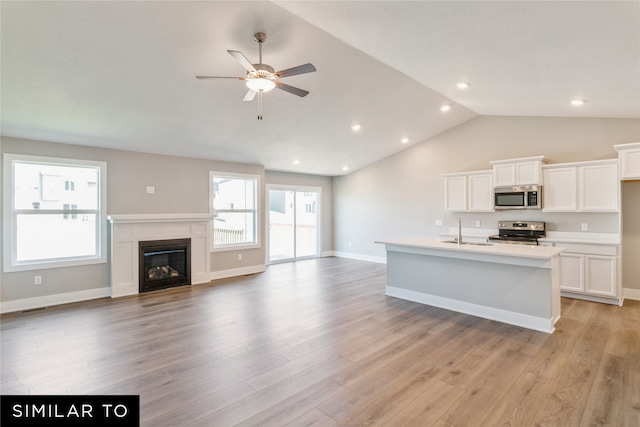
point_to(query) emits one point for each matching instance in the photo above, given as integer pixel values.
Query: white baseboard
(504, 316)
(628, 293)
(234, 272)
(360, 257)
(51, 300)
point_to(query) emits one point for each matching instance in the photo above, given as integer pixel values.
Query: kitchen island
(515, 284)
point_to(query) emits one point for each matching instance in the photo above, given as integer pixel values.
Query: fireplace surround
(128, 230)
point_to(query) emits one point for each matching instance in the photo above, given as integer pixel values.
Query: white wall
(403, 195)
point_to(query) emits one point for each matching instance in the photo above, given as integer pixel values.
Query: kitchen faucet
(459, 239)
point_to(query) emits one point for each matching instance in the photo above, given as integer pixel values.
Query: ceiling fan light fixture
(260, 84)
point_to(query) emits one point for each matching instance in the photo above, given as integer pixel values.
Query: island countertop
(457, 251)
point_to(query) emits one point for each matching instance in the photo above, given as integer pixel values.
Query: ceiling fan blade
(300, 69)
(250, 95)
(291, 89)
(242, 60)
(218, 77)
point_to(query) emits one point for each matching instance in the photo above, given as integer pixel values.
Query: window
(235, 210)
(54, 212)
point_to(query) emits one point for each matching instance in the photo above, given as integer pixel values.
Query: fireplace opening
(164, 264)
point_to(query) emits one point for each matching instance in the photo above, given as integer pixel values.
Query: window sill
(9, 268)
(231, 248)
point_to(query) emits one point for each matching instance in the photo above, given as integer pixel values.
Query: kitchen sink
(467, 243)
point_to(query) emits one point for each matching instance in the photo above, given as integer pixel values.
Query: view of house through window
(55, 211)
(235, 201)
(293, 224)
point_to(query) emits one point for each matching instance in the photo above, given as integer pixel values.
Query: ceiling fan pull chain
(259, 105)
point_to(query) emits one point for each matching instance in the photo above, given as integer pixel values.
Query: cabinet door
(480, 189)
(504, 175)
(560, 190)
(571, 268)
(528, 173)
(598, 189)
(601, 275)
(455, 193)
(630, 161)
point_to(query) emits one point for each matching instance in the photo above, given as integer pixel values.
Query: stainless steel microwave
(518, 197)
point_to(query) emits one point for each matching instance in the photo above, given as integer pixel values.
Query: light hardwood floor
(317, 342)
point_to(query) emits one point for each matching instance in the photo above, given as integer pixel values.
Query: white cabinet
(468, 192)
(598, 187)
(455, 193)
(629, 158)
(581, 187)
(588, 270)
(480, 192)
(571, 272)
(600, 275)
(524, 171)
(588, 274)
(560, 189)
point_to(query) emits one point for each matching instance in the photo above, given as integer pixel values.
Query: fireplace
(164, 264)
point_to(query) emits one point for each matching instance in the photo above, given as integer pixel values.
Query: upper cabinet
(629, 158)
(581, 187)
(468, 192)
(598, 186)
(524, 171)
(560, 188)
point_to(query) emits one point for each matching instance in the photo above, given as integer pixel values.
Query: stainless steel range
(519, 232)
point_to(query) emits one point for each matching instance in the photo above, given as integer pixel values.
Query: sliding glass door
(293, 223)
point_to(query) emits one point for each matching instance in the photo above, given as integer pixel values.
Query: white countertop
(498, 249)
(609, 239)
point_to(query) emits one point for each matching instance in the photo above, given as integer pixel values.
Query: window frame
(10, 214)
(256, 211)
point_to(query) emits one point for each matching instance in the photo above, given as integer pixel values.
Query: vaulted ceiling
(122, 74)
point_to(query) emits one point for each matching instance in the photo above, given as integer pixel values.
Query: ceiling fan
(262, 78)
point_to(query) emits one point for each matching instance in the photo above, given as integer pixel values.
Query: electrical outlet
(239, 257)
(439, 222)
(478, 223)
(584, 226)
(37, 280)
(151, 189)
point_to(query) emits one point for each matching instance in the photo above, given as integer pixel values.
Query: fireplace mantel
(148, 218)
(127, 230)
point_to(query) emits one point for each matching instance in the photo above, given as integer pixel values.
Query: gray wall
(403, 195)
(181, 186)
(631, 234)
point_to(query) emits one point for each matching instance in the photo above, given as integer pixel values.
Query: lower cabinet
(589, 272)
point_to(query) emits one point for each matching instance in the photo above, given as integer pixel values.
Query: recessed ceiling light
(345, 168)
(356, 127)
(445, 108)
(462, 85)
(404, 140)
(296, 162)
(577, 102)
